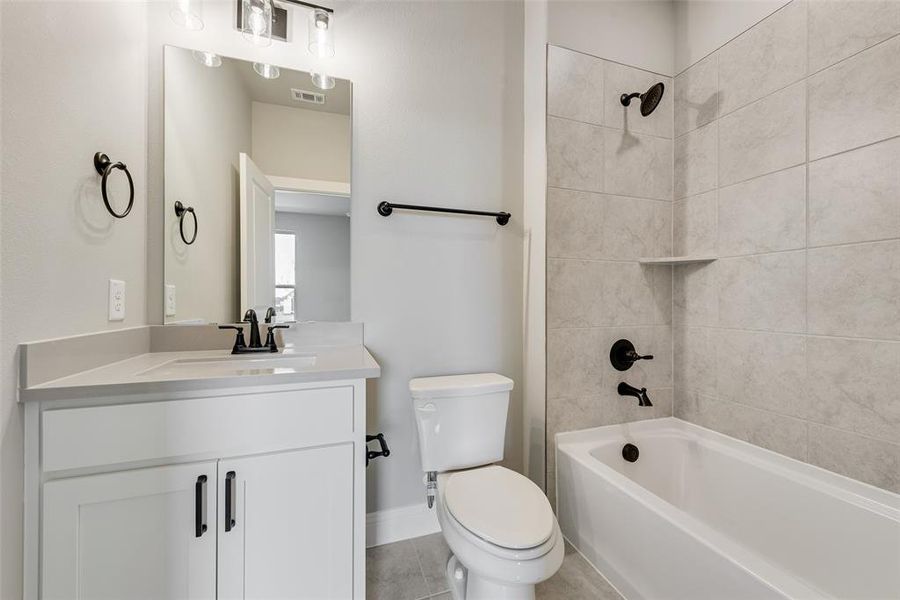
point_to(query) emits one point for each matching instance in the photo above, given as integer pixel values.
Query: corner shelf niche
(677, 260)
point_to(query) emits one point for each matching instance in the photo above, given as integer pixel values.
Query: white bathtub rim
(578, 445)
(873, 498)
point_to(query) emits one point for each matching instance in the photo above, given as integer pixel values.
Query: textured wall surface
(609, 203)
(791, 175)
(782, 169)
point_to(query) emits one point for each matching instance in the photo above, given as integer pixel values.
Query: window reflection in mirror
(265, 163)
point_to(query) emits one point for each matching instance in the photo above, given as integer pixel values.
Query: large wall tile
(587, 225)
(763, 292)
(697, 95)
(695, 295)
(765, 370)
(763, 214)
(695, 225)
(766, 136)
(637, 165)
(695, 359)
(572, 414)
(779, 433)
(872, 461)
(574, 85)
(591, 293)
(855, 290)
(855, 385)
(855, 196)
(575, 363)
(765, 58)
(620, 79)
(696, 161)
(574, 155)
(855, 102)
(841, 28)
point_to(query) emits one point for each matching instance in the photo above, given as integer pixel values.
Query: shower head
(649, 99)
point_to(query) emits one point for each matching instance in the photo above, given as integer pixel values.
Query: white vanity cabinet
(230, 494)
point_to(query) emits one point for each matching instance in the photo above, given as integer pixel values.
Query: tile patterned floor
(414, 570)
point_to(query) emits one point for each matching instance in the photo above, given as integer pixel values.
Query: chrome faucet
(640, 394)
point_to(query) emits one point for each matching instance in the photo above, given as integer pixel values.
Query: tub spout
(640, 394)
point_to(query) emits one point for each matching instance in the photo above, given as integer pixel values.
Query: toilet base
(466, 585)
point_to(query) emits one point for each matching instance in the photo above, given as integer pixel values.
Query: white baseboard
(395, 524)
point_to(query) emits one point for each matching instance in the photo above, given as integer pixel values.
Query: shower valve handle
(634, 356)
(622, 355)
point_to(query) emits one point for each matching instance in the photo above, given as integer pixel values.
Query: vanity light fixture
(207, 59)
(321, 33)
(257, 25)
(322, 81)
(186, 14)
(266, 71)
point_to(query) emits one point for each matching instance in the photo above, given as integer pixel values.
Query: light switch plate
(170, 300)
(116, 300)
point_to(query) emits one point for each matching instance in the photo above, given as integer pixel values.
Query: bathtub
(700, 515)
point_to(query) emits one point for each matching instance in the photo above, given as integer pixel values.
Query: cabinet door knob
(230, 500)
(200, 506)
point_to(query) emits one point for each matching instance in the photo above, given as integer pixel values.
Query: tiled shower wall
(609, 203)
(787, 167)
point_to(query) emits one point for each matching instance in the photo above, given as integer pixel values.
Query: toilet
(498, 524)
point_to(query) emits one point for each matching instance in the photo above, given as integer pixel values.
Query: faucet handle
(270, 336)
(239, 341)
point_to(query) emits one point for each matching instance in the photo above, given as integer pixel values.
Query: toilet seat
(499, 506)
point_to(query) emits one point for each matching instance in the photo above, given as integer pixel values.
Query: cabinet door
(286, 525)
(132, 535)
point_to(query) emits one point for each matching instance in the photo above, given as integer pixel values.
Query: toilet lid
(500, 506)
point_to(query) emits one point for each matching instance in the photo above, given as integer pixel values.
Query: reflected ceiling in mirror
(257, 191)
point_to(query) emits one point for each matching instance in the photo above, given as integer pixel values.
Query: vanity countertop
(186, 371)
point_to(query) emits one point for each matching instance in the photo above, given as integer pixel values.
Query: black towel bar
(386, 208)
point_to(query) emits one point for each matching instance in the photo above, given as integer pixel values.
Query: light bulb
(186, 14)
(266, 71)
(257, 21)
(321, 33)
(322, 81)
(207, 59)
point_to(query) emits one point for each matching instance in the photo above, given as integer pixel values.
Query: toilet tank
(461, 419)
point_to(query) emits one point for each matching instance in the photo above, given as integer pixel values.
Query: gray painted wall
(323, 265)
(207, 126)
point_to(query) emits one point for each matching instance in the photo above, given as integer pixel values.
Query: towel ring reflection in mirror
(104, 167)
(180, 211)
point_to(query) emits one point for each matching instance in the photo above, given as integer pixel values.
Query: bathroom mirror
(257, 191)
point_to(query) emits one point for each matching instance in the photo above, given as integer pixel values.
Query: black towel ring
(180, 210)
(104, 167)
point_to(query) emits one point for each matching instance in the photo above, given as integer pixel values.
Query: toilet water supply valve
(430, 487)
(384, 451)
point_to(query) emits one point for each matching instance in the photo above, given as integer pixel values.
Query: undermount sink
(233, 365)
